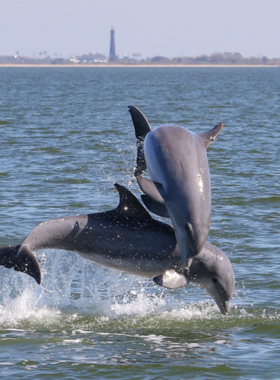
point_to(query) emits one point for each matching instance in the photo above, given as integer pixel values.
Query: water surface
(66, 138)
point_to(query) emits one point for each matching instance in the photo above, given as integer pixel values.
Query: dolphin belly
(177, 163)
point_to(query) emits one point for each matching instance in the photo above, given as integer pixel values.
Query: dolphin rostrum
(128, 239)
(180, 181)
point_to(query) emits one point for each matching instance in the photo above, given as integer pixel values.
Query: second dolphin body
(180, 181)
(129, 239)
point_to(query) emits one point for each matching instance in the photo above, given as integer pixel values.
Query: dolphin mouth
(222, 304)
(224, 307)
(218, 293)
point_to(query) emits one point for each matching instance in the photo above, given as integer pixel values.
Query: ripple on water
(66, 138)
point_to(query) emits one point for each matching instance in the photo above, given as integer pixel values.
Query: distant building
(112, 54)
(7, 59)
(15, 59)
(92, 58)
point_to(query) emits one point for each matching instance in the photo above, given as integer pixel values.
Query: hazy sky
(150, 27)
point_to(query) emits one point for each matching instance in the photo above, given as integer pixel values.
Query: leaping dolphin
(180, 181)
(128, 239)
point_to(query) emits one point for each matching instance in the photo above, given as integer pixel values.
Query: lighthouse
(112, 54)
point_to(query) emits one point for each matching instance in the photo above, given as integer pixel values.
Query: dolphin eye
(214, 280)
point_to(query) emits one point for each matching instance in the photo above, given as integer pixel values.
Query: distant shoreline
(131, 66)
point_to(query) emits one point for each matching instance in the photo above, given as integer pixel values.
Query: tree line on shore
(213, 59)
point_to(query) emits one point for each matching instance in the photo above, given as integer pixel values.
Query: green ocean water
(66, 138)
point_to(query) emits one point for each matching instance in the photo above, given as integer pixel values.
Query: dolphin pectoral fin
(25, 261)
(151, 189)
(171, 280)
(209, 137)
(141, 124)
(155, 207)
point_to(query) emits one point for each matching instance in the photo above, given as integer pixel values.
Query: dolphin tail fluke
(23, 261)
(141, 124)
(8, 255)
(27, 263)
(142, 127)
(209, 137)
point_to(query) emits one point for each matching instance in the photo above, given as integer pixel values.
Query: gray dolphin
(129, 239)
(180, 181)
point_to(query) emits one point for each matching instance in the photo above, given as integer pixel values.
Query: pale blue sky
(151, 27)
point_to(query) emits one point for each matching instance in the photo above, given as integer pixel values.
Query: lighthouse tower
(112, 55)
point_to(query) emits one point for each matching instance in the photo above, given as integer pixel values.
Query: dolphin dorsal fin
(209, 137)
(129, 204)
(141, 124)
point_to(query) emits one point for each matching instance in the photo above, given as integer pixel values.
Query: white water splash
(73, 287)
